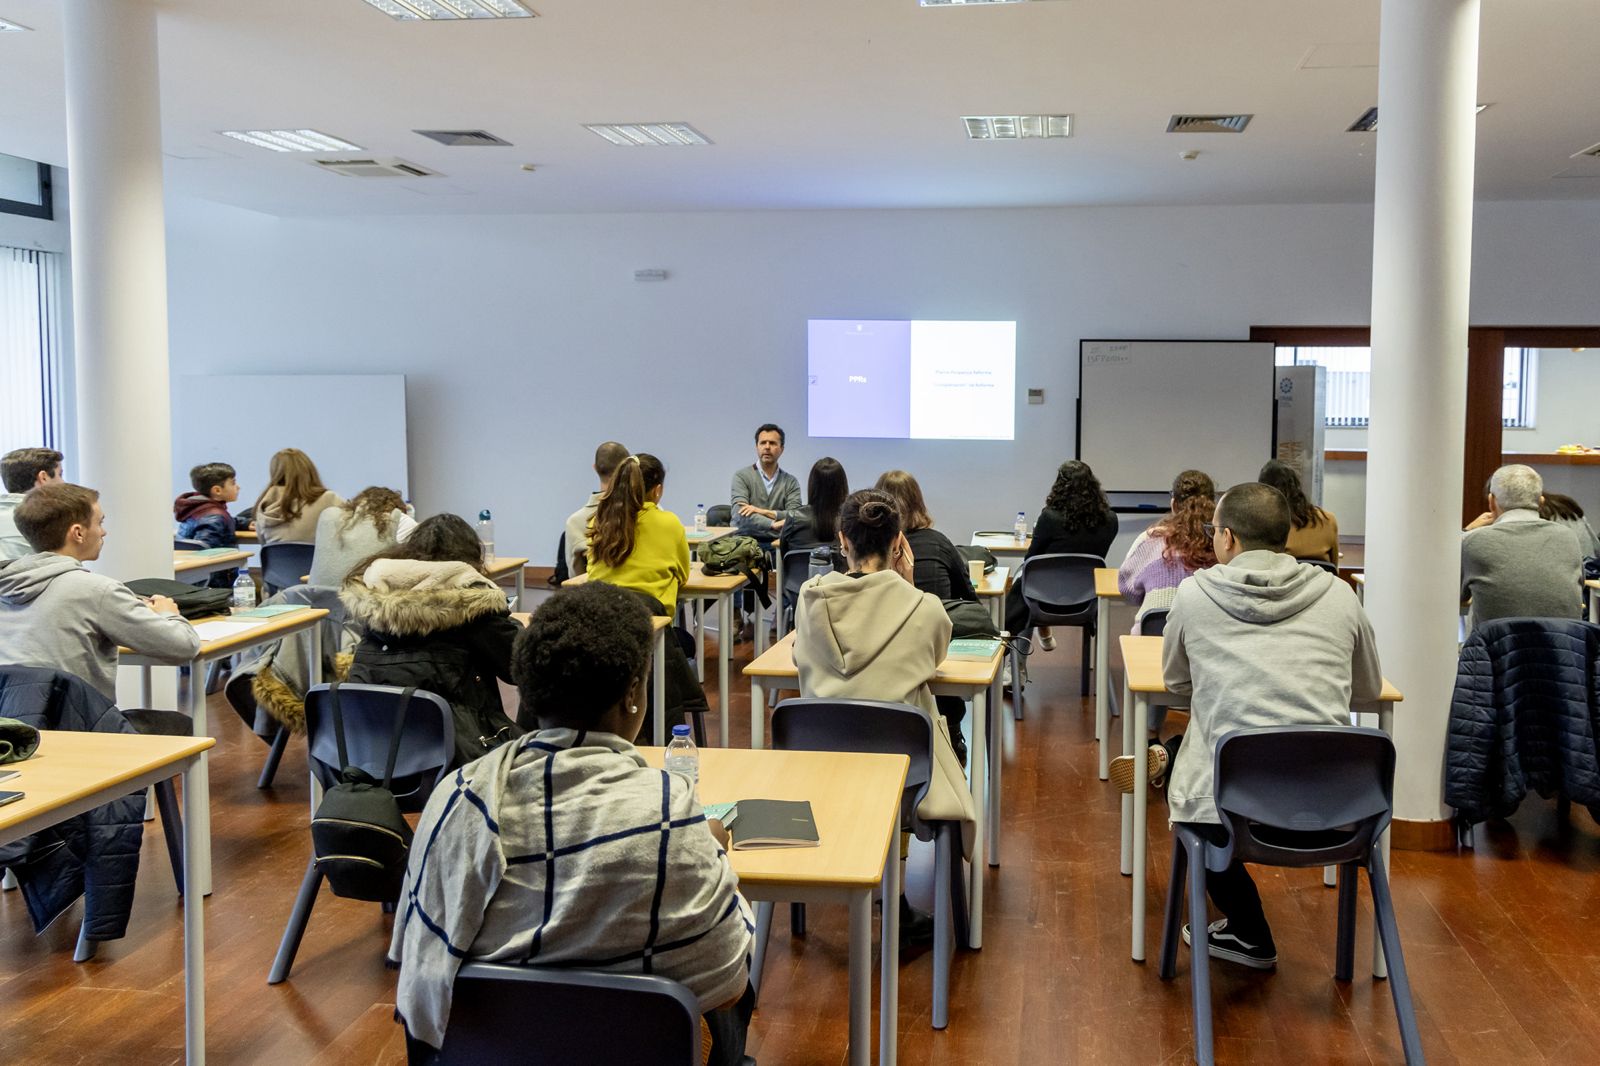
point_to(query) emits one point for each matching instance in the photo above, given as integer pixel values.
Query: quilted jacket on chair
(1525, 714)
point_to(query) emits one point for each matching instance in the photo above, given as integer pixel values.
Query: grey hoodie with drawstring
(56, 614)
(1261, 640)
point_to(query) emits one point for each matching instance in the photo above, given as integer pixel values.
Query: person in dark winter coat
(429, 617)
(202, 515)
(1077, 519)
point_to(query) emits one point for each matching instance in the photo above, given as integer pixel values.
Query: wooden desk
(1591, 592)
(1144, 685)
(721, 588)
(855, 800)
(194, 695)
(1003, 544)
(197, 564)
(1105, 590)
(974, 681)
(76, 772)
(507, 566)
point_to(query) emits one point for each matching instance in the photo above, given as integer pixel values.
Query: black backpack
(194, 601)
(734, 553)
(358, 836)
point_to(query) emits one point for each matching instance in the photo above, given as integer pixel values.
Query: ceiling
(814, 103)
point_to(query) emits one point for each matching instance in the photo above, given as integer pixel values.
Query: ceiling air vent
(1208, 123)
(463, 138)
(1591, 152)
(1366, 123)
(375, 168)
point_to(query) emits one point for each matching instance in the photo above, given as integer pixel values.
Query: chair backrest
(550, 1017)
(427, 745)
(1321, 564)
(797, 567)
(284, 563)
(1303, 795)
(871, 726)
(719, 514)
(1154, 623)
(188, 544)
(1058, 586)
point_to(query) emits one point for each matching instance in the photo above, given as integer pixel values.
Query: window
(1350, 383)
(30, 401)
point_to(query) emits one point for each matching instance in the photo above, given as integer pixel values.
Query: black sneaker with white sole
(1224, 945)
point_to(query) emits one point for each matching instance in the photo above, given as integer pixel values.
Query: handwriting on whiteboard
(1100, 354)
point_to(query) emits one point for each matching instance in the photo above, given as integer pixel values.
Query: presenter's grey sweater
(748, 487)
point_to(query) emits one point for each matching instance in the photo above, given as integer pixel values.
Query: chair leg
(797, 919)
(960, 907)
(1389, 933)
(1086, 661)
(269, 770)
(1200, 960)
(698, 721)
(1172, 923)
(298, 917)
(86, 947)
(758, 950)
(943, 928)
(1016, 681)
(171, 828)
(216, 675)
(1345, 948)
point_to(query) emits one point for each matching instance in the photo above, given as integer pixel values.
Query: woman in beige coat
(870, 634)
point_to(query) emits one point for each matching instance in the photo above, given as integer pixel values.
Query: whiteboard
(1148, 410)
(353, 426)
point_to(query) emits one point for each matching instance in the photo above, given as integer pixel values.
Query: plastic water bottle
(699, 518)
(682, 756)
(1020, 530)
(486, 535)
(244, 591)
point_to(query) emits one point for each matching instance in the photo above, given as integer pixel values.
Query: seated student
(1256, 640)
(870, 634)
(1515, 564)
(1171, 549)
(1565, 511)
(644, 879)
(429, 617)
(55, 613)
(202, 514)
(816, 525)
(373, 521)
(635, 545)
(941, 570)
(606, 459)
(288, 508)
(1076, 519)
(763, 494)
(1313, 532)
(20, 471)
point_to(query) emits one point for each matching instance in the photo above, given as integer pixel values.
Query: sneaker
(1122, 770)
(1224, 945)
(1047, 642)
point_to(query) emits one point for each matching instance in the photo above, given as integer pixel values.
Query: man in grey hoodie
(21, 470)
(1257, 640)
(56, 614)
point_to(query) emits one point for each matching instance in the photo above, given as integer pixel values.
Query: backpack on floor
(358, 835)
(738, 554)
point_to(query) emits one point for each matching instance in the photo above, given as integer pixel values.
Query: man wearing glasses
(1257, 640)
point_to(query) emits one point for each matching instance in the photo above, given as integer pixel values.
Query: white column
(1421, 274)
(119, 278)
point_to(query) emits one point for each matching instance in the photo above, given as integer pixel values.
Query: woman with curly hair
(1171, 549)
(375, 519)
(1313, 533)
(1076, 519)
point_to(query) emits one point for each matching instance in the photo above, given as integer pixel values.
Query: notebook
(773, 824)
(973, 650)
(270, 610)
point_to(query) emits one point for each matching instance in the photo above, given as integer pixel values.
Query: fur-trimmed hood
(412, 598)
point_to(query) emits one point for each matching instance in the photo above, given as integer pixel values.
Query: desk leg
(1127, 801)
(1594, 604)
(522, 584)
(196, 824)
(758, 714)
(1102, 682)
(1141, 804)
(724, 657)
(1380, 965)
(697, 618)
(658, 677)
(315, 677)
(889, 955)
(777, 611)
(198, 784)
(861, 973)
(995, 739)
(978, 760)
(145, 688)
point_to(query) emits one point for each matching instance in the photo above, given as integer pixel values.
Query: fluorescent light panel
(292, 140)
(12, 27)
(446, 10)
(648, 134)
(1016, 127)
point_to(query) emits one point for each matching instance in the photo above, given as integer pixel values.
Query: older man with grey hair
(1515, 564)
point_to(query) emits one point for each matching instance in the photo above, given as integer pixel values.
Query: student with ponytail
(1171, 549)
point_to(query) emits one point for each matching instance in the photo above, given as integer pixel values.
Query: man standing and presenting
(763, 494)
(1257, 640)
(1515, 564)
(22, 470)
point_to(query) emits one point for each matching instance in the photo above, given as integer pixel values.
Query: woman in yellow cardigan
(635, 545)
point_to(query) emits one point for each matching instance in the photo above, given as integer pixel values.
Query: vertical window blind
(1349, 383)
(30, 349)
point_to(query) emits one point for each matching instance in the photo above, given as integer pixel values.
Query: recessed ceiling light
(1368, 122)
(648, 134)
(292, 140)
(12, 27)
(1015, 127)
(445, 10)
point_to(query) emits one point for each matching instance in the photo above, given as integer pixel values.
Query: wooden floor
(1501, 943)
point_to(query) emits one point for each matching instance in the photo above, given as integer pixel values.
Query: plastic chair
(1320, 564)
(1154, 623)
(284, 563)
(1294, 796)
(188, 544)
(894, 729)
(719, 514)
(1059, 591)
(797, 571)
(427, 746)
(495, 1007)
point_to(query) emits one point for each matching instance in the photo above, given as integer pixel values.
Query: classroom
(468, 264)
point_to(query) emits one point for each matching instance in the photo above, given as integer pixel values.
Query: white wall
(525, 340)
(53, 235)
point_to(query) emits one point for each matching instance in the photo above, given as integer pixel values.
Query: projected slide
(922, 380)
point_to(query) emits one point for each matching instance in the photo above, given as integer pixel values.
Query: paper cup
(975, 571)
